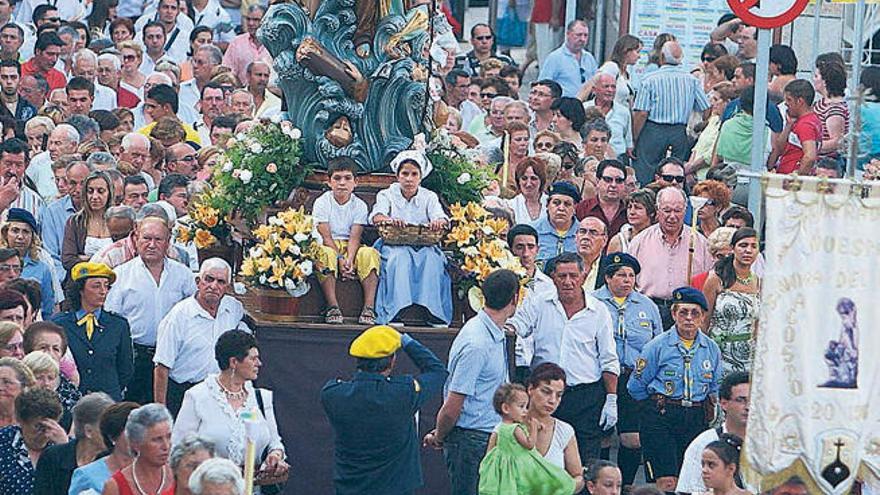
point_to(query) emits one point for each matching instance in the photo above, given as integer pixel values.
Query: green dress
(510, 469)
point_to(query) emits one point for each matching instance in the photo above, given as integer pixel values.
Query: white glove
(608, 418)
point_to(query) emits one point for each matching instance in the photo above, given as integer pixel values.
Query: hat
(614, 261)
(23, 216)
(689, 295)
(566, 189)
(88, 269)
(375, 342)
(416, 156)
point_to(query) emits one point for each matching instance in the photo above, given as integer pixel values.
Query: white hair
(117, 64)
(165, 79)
(143, 418)
(129, 139)
(501, 102)
(217, 471)
(213, 52)
(84, 53)
(70, 131)
(40, 121)
(666, 191)
(215, 264)
(670, 56)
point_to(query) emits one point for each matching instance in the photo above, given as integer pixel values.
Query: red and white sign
(767, 14)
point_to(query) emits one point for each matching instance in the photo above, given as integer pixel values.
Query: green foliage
(456, 177)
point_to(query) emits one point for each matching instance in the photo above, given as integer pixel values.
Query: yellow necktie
(90, 322)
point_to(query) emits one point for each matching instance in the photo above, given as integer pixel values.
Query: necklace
(747, 280)
(237, 396)
(137, 483)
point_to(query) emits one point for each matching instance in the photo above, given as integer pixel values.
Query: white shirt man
(176, 39)
(188, 333)
(214, 16)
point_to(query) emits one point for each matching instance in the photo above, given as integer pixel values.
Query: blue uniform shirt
(550, 244)
(667, 368)
(42, 273)
(477, 367)
(635, 323)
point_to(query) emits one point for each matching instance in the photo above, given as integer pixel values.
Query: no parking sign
(767, 14)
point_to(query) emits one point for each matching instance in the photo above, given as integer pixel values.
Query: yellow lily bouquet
(207, 223)
(286, 253)
(478, 248)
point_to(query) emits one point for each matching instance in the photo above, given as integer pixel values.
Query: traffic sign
(767, 14)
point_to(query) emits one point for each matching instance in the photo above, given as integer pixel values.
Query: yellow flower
(498, 225)
(284, 244)
(457, 212)
(460, 235)
(248, 267)
(184, 235)
(210, 221)
(204, 239)
(278, 273)
(263, 264)
(262, 232)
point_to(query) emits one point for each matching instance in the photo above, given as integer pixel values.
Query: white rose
(295, 133)
(239, 288)
(227, 167)
(306, 267)
(294, 250)
(300, 237)
(240, 136)
(246, 176)
(263, 279)
(464, 178)
(275, 119)
(256, 148)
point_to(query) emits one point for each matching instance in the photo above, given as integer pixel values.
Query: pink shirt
(664, 266)
(241, 51)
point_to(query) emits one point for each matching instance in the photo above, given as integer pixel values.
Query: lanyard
(688, 379)
(621, 329)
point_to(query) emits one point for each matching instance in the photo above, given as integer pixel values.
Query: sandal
(367, 317)
(333, 315)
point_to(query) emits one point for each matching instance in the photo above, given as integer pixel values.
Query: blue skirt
(413, 276)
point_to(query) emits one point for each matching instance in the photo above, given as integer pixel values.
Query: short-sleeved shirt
(669, 95)
(477, 367)
(569, 70)
(806, 128)
(340, 217)
(826, 109)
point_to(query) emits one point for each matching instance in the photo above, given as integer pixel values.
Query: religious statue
(354, 73)
(842, 355)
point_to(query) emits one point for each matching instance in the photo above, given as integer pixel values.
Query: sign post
(764, 15)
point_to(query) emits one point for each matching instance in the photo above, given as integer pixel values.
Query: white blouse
(207, 413)
(419, 210)
(562, 434)
(521, 211)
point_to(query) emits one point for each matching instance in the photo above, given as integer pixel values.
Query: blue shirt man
(478, 365)
(571, 65)
(373, 414)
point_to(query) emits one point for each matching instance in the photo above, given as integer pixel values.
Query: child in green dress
(512, 465)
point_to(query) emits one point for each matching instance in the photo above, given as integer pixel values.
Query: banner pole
(759, 116)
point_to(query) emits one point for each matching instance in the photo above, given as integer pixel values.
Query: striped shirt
(825, 109)
(669, 95)
(29, 200)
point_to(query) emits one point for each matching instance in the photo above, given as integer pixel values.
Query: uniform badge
(640, 365)
(705, 388)
(707, 376)
(707, 364)
(669, 388)
(617, 259)
(643, 315)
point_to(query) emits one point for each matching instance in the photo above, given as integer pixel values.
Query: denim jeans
(463, 450)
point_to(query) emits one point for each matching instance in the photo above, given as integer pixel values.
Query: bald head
(591, 237)
(672, 53)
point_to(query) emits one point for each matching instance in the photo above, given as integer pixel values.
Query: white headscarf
(417, 156)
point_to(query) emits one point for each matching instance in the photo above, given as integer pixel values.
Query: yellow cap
(87, 269)
(376, 342)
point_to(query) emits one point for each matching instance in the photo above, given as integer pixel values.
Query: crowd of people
(125, 363)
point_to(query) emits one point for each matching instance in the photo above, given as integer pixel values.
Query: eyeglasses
(711, 202)
(13, 347)
(616, 180)
(591, 232)
(488, 95)
(673, 178)
(188, 158)
(689, 313)
(129, 57)
(10, 268)
(484, 38)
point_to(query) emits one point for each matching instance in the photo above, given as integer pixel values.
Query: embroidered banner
(815, 406)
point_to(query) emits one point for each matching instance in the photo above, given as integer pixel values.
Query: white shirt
(188, 333)
(524, 348)
(421, 209)
(40, 171)
(206, 412)
(179, 47)
(188, 97)
(340, 217)
(215, 17)
(136, 297)
(105, 98)
(583, 346)
(69, 10)
(521, 211)
(619, 119)
(562, 435)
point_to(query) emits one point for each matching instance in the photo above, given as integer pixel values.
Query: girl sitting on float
(411, 275)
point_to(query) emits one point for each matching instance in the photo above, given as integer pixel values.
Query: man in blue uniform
(677, 374)
(373, 415)
(636, 321)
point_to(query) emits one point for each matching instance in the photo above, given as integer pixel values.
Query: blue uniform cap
(614, 261)
(566, 189)
(689, 295)
(23, 216)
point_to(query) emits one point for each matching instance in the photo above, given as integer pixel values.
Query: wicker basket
(410, 235)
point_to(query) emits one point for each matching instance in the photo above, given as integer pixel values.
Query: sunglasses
(583, 75)
(709, 59)
(673, 178)
(484, 38)
(488, 95)
(616, 180)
